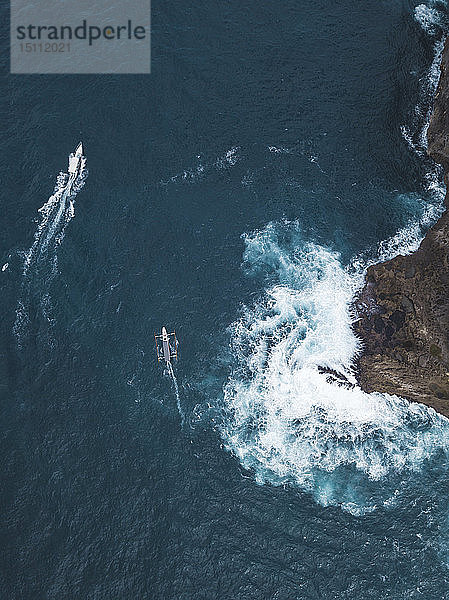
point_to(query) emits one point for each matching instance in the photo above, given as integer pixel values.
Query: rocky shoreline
(403, 309)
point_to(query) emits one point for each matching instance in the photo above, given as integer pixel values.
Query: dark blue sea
(235, 195)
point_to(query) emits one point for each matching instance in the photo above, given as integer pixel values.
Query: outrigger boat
(166, 346)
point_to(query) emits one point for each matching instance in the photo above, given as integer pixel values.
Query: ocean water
(237, 195)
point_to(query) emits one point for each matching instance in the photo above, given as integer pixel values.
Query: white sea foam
(429, 17)
(40, 261)
(408, 238)
(434, 20)
(55, 215)
(415, 134)
(229, 159)
(290, 421)
(176, 387)
(429, 85)
(195, 174)
(293, 411)
(278, 150)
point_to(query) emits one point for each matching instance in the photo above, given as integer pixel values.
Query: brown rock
(403, 309)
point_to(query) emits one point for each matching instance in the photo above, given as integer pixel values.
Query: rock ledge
(403, 309)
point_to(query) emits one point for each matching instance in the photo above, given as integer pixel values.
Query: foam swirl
(294, 413)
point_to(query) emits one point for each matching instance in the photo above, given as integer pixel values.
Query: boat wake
(40, 262)
(176, 388)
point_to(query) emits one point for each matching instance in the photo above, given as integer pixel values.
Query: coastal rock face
(403, 309)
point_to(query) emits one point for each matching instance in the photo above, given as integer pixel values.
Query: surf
(294, 413)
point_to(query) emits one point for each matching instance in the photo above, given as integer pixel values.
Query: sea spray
(293, 411)
(288, 417)
(433, 19)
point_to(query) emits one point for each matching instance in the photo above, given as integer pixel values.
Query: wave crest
(294, 413)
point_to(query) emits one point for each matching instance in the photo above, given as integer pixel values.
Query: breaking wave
(40, 261)
(409, 237)
(294, 413)
(433, 19)
(432, 16)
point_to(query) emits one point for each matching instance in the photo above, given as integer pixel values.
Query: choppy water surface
(238, 195)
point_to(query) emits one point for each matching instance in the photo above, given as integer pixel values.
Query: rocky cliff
(403, 309)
